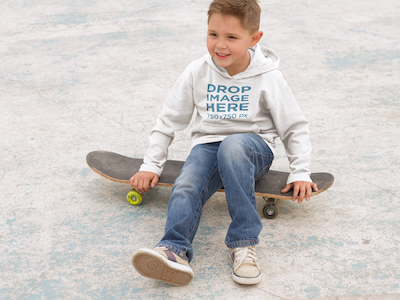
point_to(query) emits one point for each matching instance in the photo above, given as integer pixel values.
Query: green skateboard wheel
(134, 198)
(270, 211)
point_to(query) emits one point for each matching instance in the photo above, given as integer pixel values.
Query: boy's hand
(301, 189)
(141, 181)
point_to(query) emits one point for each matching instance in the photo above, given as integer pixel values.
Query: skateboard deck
(121, 168)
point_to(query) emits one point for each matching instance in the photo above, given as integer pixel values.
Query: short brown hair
(247, 11)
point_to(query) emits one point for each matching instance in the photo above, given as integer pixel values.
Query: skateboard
(121, 168)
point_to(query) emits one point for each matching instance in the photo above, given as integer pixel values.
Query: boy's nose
(221, 44)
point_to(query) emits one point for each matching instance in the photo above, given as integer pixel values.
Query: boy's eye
(213, 34)
(232, 37)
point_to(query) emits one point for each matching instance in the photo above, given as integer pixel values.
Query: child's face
(228, 42)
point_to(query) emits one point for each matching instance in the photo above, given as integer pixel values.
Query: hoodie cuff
(151, 168)
(298, 177)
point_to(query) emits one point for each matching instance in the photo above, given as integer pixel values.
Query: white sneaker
(245, 265)
(162, 264)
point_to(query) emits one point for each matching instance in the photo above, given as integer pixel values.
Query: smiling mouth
(223, 55)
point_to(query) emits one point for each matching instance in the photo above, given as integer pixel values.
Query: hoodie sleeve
(292, 127)
(176, 114)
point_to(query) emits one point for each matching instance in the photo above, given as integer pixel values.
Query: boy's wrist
(150, 168)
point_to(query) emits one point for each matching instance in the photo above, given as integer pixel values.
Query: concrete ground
(77, 76)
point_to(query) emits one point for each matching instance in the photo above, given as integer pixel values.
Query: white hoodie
(257, 100)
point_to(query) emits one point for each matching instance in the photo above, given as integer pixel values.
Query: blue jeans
(233, 164)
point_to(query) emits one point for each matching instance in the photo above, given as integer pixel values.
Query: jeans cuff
(175, 250)
(245, 243)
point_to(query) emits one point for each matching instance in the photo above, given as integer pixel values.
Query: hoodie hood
(264, 61)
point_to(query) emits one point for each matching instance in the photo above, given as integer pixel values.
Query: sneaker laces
(245, 255)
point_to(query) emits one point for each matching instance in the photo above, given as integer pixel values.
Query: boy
(242, 105)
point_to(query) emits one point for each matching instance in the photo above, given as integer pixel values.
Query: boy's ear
(256, 37)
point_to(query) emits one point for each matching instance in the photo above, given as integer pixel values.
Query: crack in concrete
(378, 187)
(113, 120)
(271, 294)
